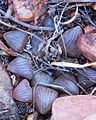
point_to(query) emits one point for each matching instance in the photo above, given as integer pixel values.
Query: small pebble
(33, 116)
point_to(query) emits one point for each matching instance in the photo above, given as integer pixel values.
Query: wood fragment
(72, 65)
(3, 47)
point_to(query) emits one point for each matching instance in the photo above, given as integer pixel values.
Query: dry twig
(26, 24)
(72, 65)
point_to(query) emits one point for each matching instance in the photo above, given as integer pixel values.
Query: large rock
(74, 107)
(86, 44)
(8, 109)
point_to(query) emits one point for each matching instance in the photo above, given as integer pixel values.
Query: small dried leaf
(3, 47)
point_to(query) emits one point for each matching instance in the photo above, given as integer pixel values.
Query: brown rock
(28, 10)
(74, 107)
(87, 46)
(8, 108)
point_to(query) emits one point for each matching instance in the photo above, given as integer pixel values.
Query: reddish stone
(74, 107)
(87, 46)
(28, 10)
(94, 6)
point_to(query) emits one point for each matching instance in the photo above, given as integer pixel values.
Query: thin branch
(62, 13)
(72, 65)
(55, 35)
(88, 18)
(26, 24)
(72, 19)
(32, 34)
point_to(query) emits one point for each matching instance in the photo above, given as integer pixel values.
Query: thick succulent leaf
(22, 67)
(23, 92)
(69, 38)
(16, 40)
(44, 98)
(41, 77)
(68, 82)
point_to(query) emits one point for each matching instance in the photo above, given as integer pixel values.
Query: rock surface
(87, 46)
(90, 29)
(28, 10)
(91, 117)
(8, 109)
(74, 107)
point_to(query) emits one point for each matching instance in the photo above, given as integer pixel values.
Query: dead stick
(73, 65)
(26, 24)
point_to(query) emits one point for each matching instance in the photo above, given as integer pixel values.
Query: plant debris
(48, 50)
